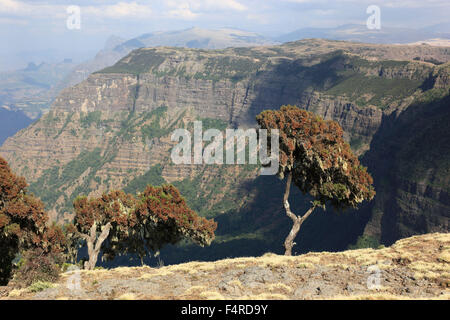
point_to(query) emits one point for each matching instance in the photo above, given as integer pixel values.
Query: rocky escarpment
(410, 163)
(113, 130)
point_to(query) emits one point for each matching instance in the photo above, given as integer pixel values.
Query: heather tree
(23, 223)
(165, 218)
(98, 219)
(315, 157)
(119, 223)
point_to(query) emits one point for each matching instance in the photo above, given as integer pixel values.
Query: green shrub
(91, 117)
(366, 242)
(40, 286)
(37, 265)
(153, 176)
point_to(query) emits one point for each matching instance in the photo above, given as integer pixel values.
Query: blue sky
(38, 28)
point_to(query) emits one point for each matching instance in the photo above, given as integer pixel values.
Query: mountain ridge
(360, 33)
(97, 135)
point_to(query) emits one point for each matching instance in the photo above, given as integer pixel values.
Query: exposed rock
(355, 274)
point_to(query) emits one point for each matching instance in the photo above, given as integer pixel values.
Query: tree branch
(94, 244)
(287, 207)
(308, 213)
(103, 236)
(297, 220)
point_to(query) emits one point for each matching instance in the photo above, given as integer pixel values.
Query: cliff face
(113, 130)
(410, 161)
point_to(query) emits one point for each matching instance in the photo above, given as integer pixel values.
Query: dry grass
(265, 296)
(195, 290)
(445, 256)
(15, 293)
(373, 296)
(211, 295)
(127, 296)
(159, 273)
(419, 263)
(236, 283)
(279, 287)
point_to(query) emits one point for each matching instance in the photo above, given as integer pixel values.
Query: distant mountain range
(117, 48)
(33, 88)
(360, 33)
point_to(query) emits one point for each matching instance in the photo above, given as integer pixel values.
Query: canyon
(112, 131)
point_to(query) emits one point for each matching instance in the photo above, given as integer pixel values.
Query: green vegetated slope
(335, 73)
(58, 186)
(89, 152)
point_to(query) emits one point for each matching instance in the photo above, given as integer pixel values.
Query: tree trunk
(94, 245)
(297, 220)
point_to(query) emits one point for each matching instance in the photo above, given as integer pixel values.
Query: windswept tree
(119, 223)
(23, 222)
(164, 218)
(98, 219)
(315, 157)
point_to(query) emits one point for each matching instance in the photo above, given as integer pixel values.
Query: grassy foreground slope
(412, 268)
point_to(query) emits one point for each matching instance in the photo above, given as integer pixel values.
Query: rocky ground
(413, 268)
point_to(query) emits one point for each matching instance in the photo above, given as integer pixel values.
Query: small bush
(364, 242)
(40, 286)
(37, 265)
(70, 266)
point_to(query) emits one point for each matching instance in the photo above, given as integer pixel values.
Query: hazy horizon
(36, 31)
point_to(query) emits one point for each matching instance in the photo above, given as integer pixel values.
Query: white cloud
(182, 11)
(381, 3)
(199, 6)
(44, 10)
(14, 21)
(120, 10)
(193, 9)
(229, 4)
(10, 6)
(259, 18)
(15, 8)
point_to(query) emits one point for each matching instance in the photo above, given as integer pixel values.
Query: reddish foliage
(166, 205)
(38, 265)
(23, 221)
(159, 216)
(320, 160)
(113, 207)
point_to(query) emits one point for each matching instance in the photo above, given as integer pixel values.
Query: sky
(37, 30)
